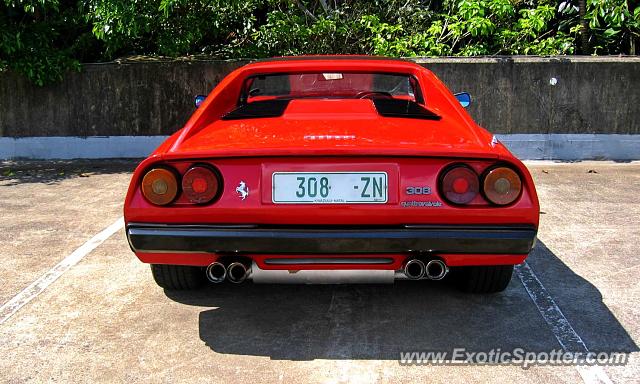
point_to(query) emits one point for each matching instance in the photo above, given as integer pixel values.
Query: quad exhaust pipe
(237, 272)
(436, 269)
(216, 272)
(416, 269)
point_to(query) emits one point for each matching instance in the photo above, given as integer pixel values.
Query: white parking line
(33, 290)
(560, 326)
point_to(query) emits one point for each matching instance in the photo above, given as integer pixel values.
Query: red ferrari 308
(332, 169)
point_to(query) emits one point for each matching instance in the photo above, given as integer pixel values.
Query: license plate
(329, 187)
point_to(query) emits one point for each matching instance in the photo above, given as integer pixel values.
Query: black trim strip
(300, 240)
(403, 108)
(258, 109)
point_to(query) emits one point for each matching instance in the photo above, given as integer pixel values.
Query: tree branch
(305, 10)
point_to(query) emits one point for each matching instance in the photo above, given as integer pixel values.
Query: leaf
(609, 32)
(563, 5)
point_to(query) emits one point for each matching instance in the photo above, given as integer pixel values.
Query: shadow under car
(306, 322)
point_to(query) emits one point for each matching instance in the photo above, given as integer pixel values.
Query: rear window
(331, 85)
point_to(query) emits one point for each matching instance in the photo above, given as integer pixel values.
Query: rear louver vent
(258, 109)
(403, 108)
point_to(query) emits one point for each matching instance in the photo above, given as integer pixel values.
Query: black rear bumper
(309, 240)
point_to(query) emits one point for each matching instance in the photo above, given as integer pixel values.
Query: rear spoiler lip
(333, 152)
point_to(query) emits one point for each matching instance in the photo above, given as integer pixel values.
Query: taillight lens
(160, 186)
(502, 186)
(460, 185)
(200, 184)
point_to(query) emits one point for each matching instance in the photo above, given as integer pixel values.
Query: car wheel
(485, 279)
(177, 277)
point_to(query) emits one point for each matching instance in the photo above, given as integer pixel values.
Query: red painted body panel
(258, 208)
(452, 260)
(332, 135)
(310, 126)
(248, 139)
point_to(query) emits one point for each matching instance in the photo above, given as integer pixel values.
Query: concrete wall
(548, 95)
(510, 95)
(139, 99)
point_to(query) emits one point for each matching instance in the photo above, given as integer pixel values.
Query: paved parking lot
(105, 319)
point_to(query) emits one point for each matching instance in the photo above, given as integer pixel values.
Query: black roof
(330, 57)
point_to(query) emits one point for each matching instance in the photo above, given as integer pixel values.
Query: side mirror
(199, 99)
(464, 98)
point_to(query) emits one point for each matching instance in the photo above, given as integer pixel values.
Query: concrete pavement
(105, 319)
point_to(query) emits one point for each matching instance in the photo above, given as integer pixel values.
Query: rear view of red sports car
(332, 170)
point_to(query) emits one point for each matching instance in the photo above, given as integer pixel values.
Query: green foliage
(45, 38)
(169, 27)
(611, 23)
(40, 38)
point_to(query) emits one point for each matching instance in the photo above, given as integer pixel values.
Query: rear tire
(485, 279)
(177, 277)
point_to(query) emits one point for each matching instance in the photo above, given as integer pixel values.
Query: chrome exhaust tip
(414, 269)
(216, 272)
(436, 269)
(237, 272)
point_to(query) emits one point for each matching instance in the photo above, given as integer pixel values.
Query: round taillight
(200, 185)
(160, 186)
(460, 185)
(502, 186)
